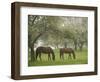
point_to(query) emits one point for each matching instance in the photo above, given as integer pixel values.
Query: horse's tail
(53, 55)
(74, 56)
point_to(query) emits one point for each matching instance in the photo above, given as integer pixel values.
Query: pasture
(81, 58)
(55, 32)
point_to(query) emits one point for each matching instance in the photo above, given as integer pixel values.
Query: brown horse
(45, 50)
(67, 50)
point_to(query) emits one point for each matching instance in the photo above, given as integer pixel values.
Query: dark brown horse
(45, 50)
(67, 50)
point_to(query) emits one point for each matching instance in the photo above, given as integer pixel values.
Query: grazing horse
(46, 50)
(66, 50)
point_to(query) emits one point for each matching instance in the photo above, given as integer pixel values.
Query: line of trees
(57, 31)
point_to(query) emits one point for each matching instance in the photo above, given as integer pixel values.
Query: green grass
(81, 58)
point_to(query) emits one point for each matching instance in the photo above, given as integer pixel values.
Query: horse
(67, 50)
(45, 50)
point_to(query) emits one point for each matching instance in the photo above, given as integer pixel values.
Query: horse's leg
(36, 56)
(69, 57)
(48, 56)
(74, 55)
(60, 55)
(53, 55)
(40, 57)
(63, 56)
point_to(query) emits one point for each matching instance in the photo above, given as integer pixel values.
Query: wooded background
(56, 32)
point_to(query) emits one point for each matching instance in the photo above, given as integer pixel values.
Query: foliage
(57, 31)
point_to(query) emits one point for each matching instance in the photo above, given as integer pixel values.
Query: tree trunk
(57, 46)
(75, 45)
(32, 54)
(65, 45)
(32, 47)
(81, 46)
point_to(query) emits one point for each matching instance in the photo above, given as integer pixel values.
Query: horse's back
(66, 50)
(44, 49)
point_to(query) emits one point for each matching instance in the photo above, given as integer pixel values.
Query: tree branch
(33, 21)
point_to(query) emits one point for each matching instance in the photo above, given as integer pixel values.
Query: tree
(56, 31)
(78, 27)
(36, 29)
(40, 28)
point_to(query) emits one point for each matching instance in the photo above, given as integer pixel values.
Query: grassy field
(81, 58)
